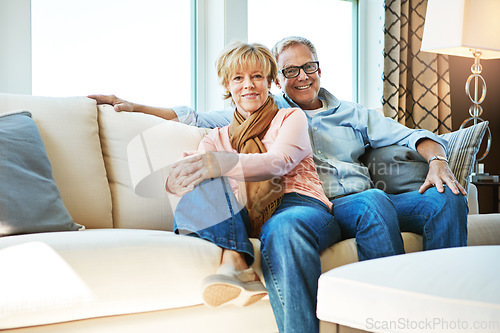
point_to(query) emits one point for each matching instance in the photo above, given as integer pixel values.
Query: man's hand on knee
(439, 175)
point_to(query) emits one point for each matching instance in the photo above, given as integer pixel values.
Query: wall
(15, 46)
(460, 102)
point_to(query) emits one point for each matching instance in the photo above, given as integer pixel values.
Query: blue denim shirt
(339, 136)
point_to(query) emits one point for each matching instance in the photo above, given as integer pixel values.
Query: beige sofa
(127, 272)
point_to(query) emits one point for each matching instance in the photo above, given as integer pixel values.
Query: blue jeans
(441, 218)
(376, 219)
(212, 212)
(291, 242)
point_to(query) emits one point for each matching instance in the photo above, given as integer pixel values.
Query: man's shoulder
(281, 101)
(285, 113)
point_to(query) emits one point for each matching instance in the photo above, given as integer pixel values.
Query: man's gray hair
(286, 42)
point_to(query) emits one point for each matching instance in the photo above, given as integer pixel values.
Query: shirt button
(315, 128)
(319, 151)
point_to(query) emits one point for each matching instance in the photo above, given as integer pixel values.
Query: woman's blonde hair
(239, 55)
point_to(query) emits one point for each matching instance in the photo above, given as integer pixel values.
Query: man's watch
(440, 158)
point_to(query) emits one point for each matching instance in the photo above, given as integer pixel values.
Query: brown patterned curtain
(416, 84)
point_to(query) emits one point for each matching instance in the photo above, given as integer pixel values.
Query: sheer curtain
(416, 84)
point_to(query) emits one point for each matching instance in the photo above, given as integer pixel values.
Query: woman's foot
(232, 286)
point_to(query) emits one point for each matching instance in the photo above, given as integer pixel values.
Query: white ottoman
(448, 290)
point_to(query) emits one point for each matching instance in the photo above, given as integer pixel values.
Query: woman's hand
(186, 174)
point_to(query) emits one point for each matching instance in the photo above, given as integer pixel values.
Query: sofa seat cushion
(453, 289)
(56, 277)
(346, 252)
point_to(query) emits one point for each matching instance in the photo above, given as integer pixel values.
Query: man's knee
(283, 225)
(371, 196)
(370, 201)
(447, 200)
(292, 226)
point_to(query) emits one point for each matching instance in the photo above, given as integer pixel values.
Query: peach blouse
(288, 155)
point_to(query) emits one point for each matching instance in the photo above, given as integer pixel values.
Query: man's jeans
(301, 228)
(376, 219)
(291, 241)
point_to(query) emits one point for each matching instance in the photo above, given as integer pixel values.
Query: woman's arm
(289, 148)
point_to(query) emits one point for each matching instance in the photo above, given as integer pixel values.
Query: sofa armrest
(472, 200)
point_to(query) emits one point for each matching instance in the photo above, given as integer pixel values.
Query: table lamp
(468, 28)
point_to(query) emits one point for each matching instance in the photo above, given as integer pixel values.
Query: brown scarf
(262, 197)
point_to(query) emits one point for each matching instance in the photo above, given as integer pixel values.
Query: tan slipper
(230, 286)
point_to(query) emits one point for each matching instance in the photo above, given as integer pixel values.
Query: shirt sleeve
(291, 145)
(381, 131)
(212, 119)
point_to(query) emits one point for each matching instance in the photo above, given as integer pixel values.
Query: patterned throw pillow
(463, 146)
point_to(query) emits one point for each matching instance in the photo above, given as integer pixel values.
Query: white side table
(447, 290)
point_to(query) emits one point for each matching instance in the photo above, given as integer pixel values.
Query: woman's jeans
(291, 241)
(211, 212)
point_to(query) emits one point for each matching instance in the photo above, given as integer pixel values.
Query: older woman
(265, 155)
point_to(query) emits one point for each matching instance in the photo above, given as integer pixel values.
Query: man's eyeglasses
(293, 71)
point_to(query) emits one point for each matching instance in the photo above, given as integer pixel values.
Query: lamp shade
(454, 27)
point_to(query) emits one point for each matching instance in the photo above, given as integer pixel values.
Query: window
(139, 50)
(329, 24)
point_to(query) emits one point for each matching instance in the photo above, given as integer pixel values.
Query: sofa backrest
(164, 143)
(95, 183)
(70, 133)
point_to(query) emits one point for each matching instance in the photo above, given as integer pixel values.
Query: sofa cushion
(119, 132)
(346, 252)
(101, 272)
(390, 166)
(69, 130)
(29, 198)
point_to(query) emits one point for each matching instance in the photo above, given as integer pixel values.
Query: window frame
(214, 24)
(367, 48)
